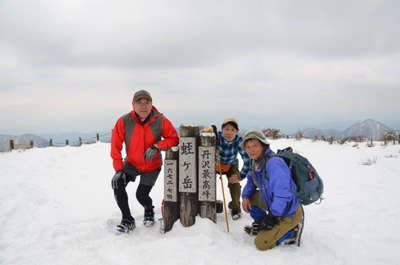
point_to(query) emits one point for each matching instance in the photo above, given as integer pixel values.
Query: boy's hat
(231, 121)
(254, 134)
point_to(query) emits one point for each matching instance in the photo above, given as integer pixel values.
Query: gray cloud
(285, 62)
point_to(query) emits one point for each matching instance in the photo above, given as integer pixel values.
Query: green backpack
(309, 184)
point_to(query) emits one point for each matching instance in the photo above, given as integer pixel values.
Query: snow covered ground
(56, 203)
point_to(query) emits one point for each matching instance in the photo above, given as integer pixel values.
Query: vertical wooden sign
(170, 207)
(188, 200)
(207, 176)
(170, 181)
(187, 164)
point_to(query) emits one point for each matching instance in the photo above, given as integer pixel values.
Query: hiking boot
(230, 205)
(292, 237)
(236, 214)
(298, 231)
(148, 220)
(126, 225)
(287, 239)
(252, 229)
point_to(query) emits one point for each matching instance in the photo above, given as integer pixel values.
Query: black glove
(267, 222)
(150, 152)
(119, 175)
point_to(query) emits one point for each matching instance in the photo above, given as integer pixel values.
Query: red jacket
(142, 138)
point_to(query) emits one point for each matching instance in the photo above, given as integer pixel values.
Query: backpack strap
(129, 124)
(264, 168)
(156, 127)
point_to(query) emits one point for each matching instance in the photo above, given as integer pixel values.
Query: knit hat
(231, 121)
(142, 94)
(254, 134)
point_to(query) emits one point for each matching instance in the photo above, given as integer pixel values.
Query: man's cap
(142, 94)
(254, 134)
(231, 121)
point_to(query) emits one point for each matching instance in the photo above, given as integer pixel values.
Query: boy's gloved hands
(268, 222)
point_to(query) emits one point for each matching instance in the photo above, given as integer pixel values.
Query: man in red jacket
(142, 131)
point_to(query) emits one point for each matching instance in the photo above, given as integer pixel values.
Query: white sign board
(187, 164)
(170, 181)
(207, 182)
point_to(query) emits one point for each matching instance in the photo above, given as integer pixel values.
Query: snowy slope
(55, 204)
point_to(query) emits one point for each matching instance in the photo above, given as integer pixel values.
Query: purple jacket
(277, 192)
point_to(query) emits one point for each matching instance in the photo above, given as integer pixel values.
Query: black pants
(147, 181)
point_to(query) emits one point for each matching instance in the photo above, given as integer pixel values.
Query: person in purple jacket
(268, 195)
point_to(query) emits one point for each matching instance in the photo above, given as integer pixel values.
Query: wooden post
(207, 176)
(188, 174)
(97, 137)
(80, 141)
(170, 207)
(12, 145)
(31, 143)
(66, 142)
(51, 142)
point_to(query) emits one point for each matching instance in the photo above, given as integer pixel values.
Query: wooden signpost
(188, 174)
(207, 177)
(190, 179)
(170, 207)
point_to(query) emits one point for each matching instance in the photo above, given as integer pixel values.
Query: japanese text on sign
(207, 174)
(170, 192)
(187, 164)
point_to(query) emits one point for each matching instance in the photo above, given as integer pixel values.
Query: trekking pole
(223, 197)
(220, 177)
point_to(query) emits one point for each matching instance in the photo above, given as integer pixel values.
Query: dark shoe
(219, 206)
(230, 205)
(252, 229)
(148, 220)
(126, 225)
(236, 214)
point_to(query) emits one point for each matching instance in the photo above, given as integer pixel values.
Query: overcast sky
(74, 65)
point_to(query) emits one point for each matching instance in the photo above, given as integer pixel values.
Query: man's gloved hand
(267, 222)
(119, 175)
(150, 152)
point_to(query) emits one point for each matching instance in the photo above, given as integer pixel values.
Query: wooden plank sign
(170, 181)
(207, 185)
(187, 164)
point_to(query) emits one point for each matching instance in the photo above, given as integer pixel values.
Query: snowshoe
(148, 220)
(252, 229)
(236, 214)
(126, 225)
(289, 238)
(293, 236)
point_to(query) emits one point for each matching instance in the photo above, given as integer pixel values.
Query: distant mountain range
(369, 128)
(43, 140)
